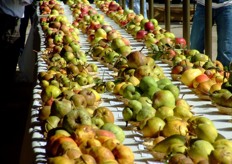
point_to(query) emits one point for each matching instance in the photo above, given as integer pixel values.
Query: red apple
(200, 78)
(180, 42)
(113, 6)
(149, 26)
(140, 35)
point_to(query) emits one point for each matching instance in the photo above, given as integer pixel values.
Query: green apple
(110, 86)
(61, 107)
(49, 92)
(160, 99)
(117, 43)
(100, 33)
(154, 21)
(117, 130)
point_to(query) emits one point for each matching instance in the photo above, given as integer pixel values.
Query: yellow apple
(189, 75)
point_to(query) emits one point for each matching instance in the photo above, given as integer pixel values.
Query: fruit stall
(114, 87)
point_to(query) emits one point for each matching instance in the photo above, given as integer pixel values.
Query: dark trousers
(9, 47)
(28, 16)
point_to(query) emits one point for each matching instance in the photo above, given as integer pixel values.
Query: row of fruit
(173, 126)
(76, 128)
(172, 50)
(138, 81)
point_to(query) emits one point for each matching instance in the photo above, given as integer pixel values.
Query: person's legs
(198, 29)
(9, 45)
(223, 19)
(23, 26)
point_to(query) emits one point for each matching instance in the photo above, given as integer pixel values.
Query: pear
(163, 82)
(177, 148)
(221, 155)
(183, 103)
(206, 132)
(222, 143)
(175, 125)
(180, 158)
(145, 101)
(164, 111)
(160, 99)
(150, 92)
(167, 144)
(146, 112)
(142, 71)
(200, 150)
(135, 106)
(194, 121)
(174, 89)
(151, 127)
(136, 59)
(183, 112)
(147, 82)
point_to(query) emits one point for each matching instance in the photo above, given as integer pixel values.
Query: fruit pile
(76, 125)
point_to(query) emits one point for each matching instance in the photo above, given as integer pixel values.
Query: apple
(141, 34)
(112, 34)
(100, 33)
(200, 78)
(189, 75)
(137, 19)
(89, 96)
(123, 154)
(149, 26)
(180, 42)
(49, 92)
(104, 113)
(101, 154)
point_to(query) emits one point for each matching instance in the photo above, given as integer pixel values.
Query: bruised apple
(104, 113)
(101, 154)
(83, 133)
(86, 145)
(123, 154)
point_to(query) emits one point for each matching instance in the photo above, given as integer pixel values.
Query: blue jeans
(223, 19)
(137, 7)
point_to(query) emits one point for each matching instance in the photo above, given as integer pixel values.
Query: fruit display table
(134, 139)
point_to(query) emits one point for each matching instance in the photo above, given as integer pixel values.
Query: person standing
(137, 7)
(28, 16)
(222, 17)
(11, 11)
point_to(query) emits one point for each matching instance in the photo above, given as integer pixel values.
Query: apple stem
(182, 96)
(141, 49)
(126, 123)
